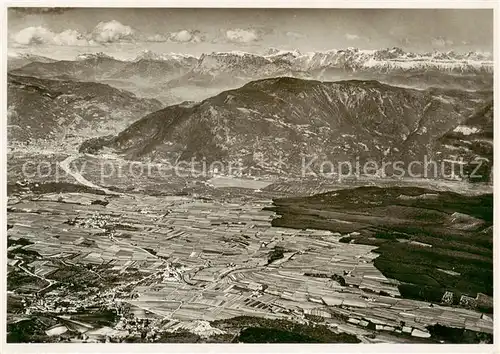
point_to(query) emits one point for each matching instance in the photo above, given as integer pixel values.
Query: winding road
(50, 281)
(66, 167)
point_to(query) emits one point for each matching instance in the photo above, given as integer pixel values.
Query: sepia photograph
(249, 175)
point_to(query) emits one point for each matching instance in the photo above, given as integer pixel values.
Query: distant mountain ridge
(166, 76)
(393, 66)
(355, 59)
(16, 61)
(348, 58)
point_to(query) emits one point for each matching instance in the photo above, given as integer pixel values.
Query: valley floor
(190, 263)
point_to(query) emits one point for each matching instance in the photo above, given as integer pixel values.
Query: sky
(125, 32)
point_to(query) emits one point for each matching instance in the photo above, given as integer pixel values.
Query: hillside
(54, 109)
(430, 241)
(472, 141)
(271, 124)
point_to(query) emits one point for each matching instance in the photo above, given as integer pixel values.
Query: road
(66, 166)
(50, 281)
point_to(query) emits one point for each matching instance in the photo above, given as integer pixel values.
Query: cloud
(239, 35)
(105, 32)
(33, 35)
(441, 42)
(184, 36)
(112, 31)
(156, 38)
(41, 35)
(352, 37)
(71, 37)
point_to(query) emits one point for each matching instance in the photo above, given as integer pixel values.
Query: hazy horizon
(125, 31)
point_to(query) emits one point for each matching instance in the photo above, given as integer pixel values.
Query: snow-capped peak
(98, 55)
(281, 52)
(150, 55)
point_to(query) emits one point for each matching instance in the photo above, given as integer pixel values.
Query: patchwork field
(85, 265)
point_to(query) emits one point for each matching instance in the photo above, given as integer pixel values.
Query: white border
(244, 348)
(399, 4)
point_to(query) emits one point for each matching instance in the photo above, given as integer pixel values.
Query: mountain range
(16, 61)
(272, 114)
(174, 78)
(274, 124)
